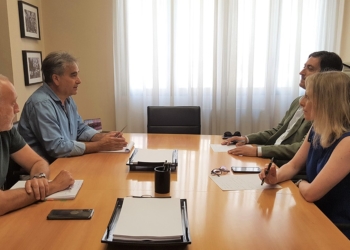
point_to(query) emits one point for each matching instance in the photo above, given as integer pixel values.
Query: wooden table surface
(251, 219)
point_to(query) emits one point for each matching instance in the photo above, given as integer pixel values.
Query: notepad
(154, 219)
(126, 149)
(67, 194)
(241, 182)
(153, 155)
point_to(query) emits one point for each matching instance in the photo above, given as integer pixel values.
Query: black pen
(165, 166)
(117, 135)
(267, 171)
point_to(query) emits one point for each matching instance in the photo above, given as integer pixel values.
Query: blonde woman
(326, 152)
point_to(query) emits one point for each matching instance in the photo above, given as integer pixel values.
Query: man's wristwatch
(40, 175)
(298, 182)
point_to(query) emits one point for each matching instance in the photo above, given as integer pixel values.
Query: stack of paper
(153, 155)
(154, 219)
(67, 194)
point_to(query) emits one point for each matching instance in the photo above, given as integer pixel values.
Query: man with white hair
(12, 145)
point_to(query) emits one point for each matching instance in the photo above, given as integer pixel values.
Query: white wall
(345, 42)
(11, 47)
(84, 28)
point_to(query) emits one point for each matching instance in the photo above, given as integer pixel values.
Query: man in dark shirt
(12, 145)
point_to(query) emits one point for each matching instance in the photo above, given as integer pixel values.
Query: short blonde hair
(330, 95)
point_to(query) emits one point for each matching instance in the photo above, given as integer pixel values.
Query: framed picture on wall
(29, 20)
(32, 67)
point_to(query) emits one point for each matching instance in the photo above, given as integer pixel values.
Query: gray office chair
(174, 119)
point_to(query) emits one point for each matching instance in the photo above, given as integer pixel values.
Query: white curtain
(238, 60)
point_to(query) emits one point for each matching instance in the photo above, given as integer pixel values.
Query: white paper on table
(149, 219)
(153, 155)
(224, 148)
(67, 194)
(241, 182)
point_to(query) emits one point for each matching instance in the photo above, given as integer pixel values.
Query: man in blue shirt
(50, 122)
(12, 145)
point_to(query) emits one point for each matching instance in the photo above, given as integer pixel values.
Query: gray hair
(55, 63)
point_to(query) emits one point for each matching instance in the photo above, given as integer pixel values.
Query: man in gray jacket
(284, 140)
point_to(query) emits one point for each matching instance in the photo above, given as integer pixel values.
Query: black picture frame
(32, 61)
(29, 20)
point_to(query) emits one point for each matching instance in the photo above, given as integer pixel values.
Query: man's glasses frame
(219, 171)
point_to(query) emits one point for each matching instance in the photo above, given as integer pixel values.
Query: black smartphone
(70, 214)
(246, 169)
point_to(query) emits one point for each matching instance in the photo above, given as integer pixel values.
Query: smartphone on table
(70, 214)
(245, 169)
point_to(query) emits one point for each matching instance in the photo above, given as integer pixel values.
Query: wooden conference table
(269, 219)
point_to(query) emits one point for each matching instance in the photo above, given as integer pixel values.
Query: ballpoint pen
(117, 135)
(165, 169)
(267, 171)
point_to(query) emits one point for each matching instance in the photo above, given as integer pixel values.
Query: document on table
(241, 182)
(154, 219)
(126, 149)
(153, 155)
(67, 194)
(224, 148)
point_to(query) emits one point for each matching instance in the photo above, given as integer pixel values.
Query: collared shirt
(299, 113)
(51, 129)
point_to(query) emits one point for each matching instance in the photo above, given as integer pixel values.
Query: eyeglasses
(219, 171)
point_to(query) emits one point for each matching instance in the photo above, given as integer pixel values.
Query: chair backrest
(174, 119)
(94, 123)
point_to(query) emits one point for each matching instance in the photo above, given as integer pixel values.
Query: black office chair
(174, 119)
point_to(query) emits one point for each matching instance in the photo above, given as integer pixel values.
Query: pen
(117, 135)
(267, 171)
(165, 166)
